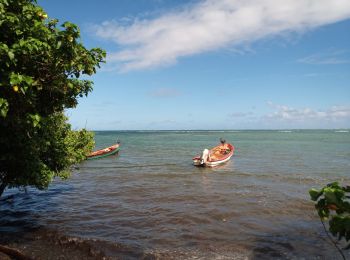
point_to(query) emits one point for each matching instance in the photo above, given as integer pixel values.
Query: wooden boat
(104, 152)
(214, 156)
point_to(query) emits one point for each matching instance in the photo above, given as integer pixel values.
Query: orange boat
(104, 152)
(214, 156)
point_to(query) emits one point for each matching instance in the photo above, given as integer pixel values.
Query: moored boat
(104, 152)
(214, 156)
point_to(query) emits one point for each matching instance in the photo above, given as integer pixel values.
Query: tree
(333, 204)
(41, 65)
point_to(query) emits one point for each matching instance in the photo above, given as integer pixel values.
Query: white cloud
(329, 57)
(289, 114)
(212, 24)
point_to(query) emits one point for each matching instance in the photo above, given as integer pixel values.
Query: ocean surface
(150, 202)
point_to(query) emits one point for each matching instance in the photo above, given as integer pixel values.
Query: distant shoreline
(228, 130)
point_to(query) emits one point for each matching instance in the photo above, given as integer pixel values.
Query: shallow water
(150, 202)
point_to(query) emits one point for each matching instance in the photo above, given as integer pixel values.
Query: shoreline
(41, 244)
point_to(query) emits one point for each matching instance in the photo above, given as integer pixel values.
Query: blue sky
(214, 64)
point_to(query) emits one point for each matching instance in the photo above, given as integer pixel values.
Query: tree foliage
(333, 204)
(41, 69)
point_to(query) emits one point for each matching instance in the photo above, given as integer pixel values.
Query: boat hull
(212, 163)
(104, 152)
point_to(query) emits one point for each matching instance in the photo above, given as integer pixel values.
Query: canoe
(216, 156)
(104, 152)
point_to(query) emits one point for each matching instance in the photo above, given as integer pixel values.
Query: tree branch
(330, 238)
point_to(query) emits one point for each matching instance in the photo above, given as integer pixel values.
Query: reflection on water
(150, 202)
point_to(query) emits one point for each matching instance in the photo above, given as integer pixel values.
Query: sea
(150, 202)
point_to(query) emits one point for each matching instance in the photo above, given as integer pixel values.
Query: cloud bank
(287, 117)
(286, 113)
(210, 25)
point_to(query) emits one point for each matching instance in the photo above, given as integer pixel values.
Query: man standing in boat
(223, 148)
(220, 149)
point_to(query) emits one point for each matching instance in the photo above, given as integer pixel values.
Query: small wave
(285, 131)
(341, 131)
(125, 167)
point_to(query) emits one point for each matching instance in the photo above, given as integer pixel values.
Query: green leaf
(333, 185)
(330, 196)
(11, 55)
(315, 194)
(4, 107)
(35, 119)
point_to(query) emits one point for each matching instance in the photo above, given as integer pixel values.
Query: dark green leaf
(315, 194)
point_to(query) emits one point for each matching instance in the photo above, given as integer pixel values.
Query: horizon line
(214, 130)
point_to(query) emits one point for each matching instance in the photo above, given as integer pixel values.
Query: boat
(214, 156)
(104, 152)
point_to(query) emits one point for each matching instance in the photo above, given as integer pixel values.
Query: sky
(214, 64)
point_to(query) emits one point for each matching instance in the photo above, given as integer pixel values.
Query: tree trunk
(3, 186)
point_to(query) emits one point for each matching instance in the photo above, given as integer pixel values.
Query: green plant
(41, 65)
(333, 204)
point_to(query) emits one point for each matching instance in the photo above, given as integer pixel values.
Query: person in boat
(223, 147)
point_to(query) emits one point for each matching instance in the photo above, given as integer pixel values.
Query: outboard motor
(204, 156)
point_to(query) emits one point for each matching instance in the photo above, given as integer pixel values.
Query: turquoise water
(149, 201)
